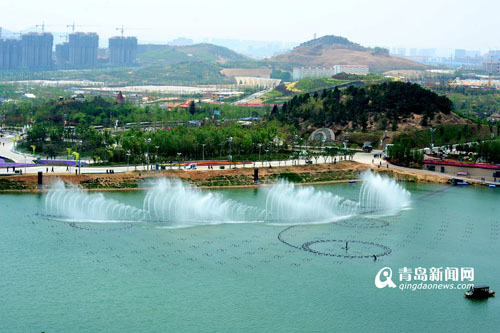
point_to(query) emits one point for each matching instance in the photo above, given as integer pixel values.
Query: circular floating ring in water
(349, 249)
(363, 223)
(123, 226)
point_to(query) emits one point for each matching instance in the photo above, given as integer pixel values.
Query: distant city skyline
(390, 23)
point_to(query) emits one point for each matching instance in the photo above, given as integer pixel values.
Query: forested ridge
(390, 102)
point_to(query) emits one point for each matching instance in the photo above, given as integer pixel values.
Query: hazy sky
(421, 24)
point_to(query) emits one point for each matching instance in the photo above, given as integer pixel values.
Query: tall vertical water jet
(77, 205)
(182, 204)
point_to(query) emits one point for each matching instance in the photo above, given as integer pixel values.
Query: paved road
(368, 158)
(6, 150)
(252, 97)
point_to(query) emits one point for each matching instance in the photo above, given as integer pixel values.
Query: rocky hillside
(332, 50)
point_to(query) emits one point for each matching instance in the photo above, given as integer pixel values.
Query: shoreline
(316, 174)
(38, 191)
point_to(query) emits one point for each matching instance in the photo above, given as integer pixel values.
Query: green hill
(332, 40)
(171, 55)
(393, 105)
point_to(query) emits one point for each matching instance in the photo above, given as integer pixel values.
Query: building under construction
(62, 54)
(36, 50)
(83, 49)
(122, 50)
(10, 54)
(32, 51)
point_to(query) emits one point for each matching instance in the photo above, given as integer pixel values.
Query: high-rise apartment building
(122, 50)
(82, 49)
(36, 50)
(33, 51)
(62, 54)
(10, 54)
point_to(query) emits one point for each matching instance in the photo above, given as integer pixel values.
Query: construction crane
(72, 26)
(122, 29)
(18, 33)
(43, 25)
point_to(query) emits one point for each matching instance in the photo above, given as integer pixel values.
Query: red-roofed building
(119, 98)
(185, 105)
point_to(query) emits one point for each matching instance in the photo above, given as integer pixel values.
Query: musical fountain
(181, 204)
(70, 202)
(177, 203)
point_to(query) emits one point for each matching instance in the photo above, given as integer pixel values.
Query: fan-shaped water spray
(77, 205)
(182, 204)
(381, 195)
(378, 195)
(298, 204)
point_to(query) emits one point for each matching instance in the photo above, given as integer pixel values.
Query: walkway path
(360, 157)
(6, 150)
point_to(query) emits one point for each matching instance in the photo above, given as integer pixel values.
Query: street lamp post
(156, 158)
(346, 140)
(295, 143)
(323, 140)
(230, 147)
(128, 157)
(179, 158)
(260, 147)
(79, 159)
(148, 141)
(432, 129)
(203, 151)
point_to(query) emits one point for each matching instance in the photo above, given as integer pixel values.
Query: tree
(37, 133)
(283, 76)
(274, 110)
(192, 108)
(50, 150)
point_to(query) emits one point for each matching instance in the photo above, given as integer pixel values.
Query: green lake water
(59, 275)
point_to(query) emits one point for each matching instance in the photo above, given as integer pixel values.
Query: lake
(250, 260)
